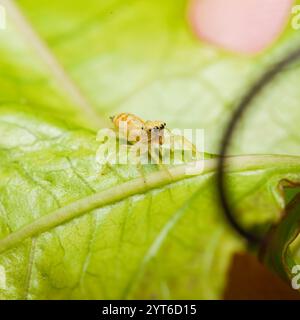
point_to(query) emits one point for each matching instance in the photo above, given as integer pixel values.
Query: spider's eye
(165, 124)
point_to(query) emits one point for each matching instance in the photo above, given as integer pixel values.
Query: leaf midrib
(138, 186)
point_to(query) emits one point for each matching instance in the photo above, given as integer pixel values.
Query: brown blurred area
(248, 279)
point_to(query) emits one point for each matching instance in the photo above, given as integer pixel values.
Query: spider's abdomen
(132, 125)
(131, 120)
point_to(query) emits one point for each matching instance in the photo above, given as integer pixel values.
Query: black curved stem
(244, 104)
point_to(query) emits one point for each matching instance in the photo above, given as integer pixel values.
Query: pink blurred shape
(243, 26)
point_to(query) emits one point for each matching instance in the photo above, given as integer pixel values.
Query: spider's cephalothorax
(155, 130)
(154, 125)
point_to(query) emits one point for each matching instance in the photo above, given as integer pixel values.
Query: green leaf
(68, 232)
(281, 249)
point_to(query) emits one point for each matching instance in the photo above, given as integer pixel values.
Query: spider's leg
(140, 168)
(141, 171)
(188, 153)
(180, 142)
(157, 159)
(137, 159)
